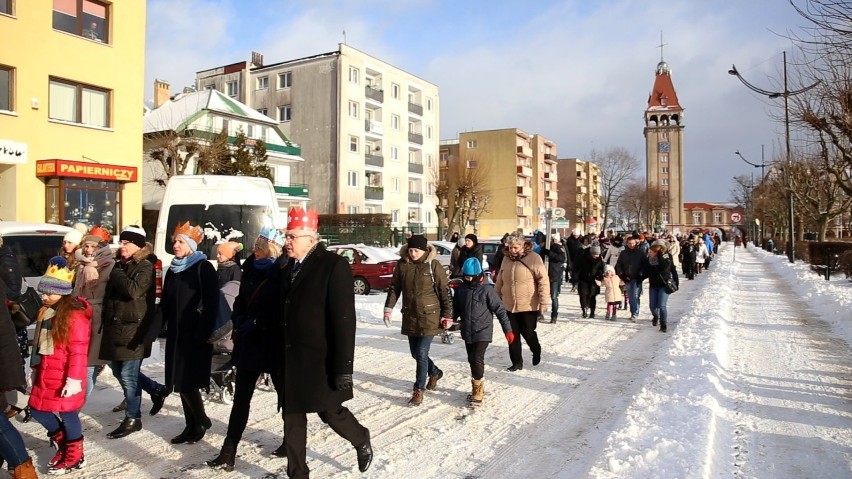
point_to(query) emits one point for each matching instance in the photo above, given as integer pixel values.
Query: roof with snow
(178, 113)
(663, 96)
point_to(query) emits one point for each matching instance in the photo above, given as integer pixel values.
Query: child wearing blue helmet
(476, 304)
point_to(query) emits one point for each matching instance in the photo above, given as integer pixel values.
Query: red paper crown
(299, 219)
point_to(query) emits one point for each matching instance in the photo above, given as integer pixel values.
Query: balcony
(522, 211)
(551, 195)
(415, 108)
(524, 171)
(415, 138)
(550, 158)
(525, 151)
(372, 126)
(550, 176)
(524, 191)
(374, 160)
(374, 193)
(299, 190)
(374, 94)
(415, 168)
(415, 198)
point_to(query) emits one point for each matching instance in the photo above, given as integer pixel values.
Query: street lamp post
(762, 167)
(786, 94)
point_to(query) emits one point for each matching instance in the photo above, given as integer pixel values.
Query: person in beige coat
(613, 292)
(524, 287)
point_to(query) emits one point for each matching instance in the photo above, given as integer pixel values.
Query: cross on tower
(661, 45)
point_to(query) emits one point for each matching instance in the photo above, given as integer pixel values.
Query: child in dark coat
(476, 304)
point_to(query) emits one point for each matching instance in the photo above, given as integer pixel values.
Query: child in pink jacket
(613, 292)
(59, 359)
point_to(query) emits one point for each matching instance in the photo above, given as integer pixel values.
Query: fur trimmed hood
(431, 253)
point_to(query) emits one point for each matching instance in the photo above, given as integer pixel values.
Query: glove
(387, 320)
(72, 387)
(510, 337)
(342, 381)
(446, 323)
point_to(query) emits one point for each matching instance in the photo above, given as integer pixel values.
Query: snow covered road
(753, 379)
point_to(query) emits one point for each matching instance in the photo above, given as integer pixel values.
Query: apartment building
(514, 171)
(368, 130)
(71, 93)
(580, 193)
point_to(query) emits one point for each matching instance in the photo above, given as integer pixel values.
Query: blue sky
(578, 72)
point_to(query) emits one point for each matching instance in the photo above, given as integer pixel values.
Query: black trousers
(476, 358)
(244, 386)
(588, 295)
(193, 410)
(523, 324)
(340, 421)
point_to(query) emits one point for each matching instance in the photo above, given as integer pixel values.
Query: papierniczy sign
(93, 171)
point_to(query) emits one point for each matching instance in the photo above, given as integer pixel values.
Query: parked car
(372, 268)
(444, 251)
(33, 244)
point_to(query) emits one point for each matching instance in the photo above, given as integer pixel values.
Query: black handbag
(671, 286)
(30, 303)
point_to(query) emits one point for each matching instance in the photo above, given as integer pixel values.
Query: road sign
(560, 224)
(736, 218)
(558, 212)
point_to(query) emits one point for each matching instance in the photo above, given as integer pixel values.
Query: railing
(415, 197)
(415, 138)
(300, 190)
(551, 195)
(415, 108)
(524, 191)
(374, 193)
(374, 94)
(549, 157)
(549, 176)
(525, 151)
(415, 168)
(374, 160)
(373, 126)
(524, 171)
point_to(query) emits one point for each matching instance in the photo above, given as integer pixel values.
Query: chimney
(161, 93)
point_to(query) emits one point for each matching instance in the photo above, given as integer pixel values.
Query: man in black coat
(630, 268)
(318, 339)
(556, 257)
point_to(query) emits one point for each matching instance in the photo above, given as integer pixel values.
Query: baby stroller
(222, 372)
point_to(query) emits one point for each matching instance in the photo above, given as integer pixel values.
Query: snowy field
(753, 380)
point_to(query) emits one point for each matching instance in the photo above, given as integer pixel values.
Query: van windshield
(240, 223)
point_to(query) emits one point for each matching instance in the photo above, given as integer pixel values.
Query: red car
(372, 268)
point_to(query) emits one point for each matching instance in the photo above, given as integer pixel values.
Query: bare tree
(632, 202)
(819, 198)
(467, 193)
(174, 153)
(617, 166)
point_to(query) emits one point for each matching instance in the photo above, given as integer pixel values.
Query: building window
(428, 216)
(395, 90)
(665, 170)
(7, 88)
(395, 184)
(395, 153)
(471, 144)
(428, 132)
(232, 88)
(430, 188)
(471, 164)
(394, 216)
(430, 159)
(428, 104)
(395, 122)
(210, 87)
(352, 179)
(78, 103)
(664, 181)
(665, 217)
(664, 158)
(79, 200)
(6, 7)
(353, 144)
(263, 111)
(353, 109)
(285, 80)
(86, 18)
(717, 218)
(263, 83)
(696, 218)
(352, 210)
(353, 75)
(285, 113)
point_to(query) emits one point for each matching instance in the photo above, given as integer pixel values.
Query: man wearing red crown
(318, 332)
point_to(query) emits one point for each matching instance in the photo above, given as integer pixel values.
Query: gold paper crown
(60, 273)
(192, 232)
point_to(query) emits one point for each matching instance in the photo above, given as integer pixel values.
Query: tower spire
(661, 45)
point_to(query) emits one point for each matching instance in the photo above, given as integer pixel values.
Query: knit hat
(418, 242)
(58, 279)
(608, 268)
(473, 238)
(73, 237)
(595, 249)
(556, 237)
(472, 267)
(229, 249)
(663, 244)
(133, 234)
(97, 235)
(577, 232)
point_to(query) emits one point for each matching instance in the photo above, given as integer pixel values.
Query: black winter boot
(127, 427)
(663, 326)
(226, 457)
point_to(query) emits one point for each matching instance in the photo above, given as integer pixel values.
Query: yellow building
(580, 195)
(71, 96)
(515, 171)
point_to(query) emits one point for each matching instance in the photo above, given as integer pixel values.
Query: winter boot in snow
(663, 326)
(225, 459)
(477, 391)
(57, 440)
(364, 453)
(128, 426)
(121, 407)
(25, 470)
(608, 316)
(72, 460)
(655, 320)
(416, 397)
(585, 314)
(592, 313)
(433, 380)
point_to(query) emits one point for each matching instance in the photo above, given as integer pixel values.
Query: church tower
(664, 149)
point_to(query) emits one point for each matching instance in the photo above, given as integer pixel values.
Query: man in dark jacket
(128, 311)
(318, 343)
(556, 257)
(573, 247)
(629, 268)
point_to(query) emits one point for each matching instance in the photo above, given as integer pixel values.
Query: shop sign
(91, 171)
(12, 152)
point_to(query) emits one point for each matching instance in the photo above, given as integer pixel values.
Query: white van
(226, 207)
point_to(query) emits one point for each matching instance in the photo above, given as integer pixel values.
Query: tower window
(664, 158)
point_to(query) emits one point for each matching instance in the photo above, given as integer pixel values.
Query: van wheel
(361, 286)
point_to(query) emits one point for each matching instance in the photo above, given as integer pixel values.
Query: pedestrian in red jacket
(59, 359)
